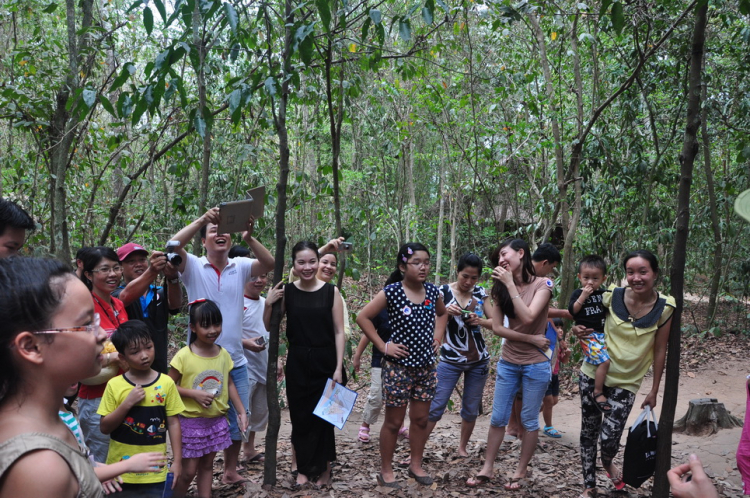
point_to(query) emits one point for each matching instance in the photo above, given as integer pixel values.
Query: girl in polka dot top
(418, 318)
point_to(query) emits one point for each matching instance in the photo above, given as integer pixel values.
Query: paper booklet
(335, 404)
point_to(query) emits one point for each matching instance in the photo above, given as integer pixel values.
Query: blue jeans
(475, 377)
(532, 380)
(242, 383)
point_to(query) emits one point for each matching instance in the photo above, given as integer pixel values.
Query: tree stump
(705, 416)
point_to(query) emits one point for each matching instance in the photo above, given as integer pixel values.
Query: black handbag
(639, 461)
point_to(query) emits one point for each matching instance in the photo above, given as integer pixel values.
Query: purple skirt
(201, 436)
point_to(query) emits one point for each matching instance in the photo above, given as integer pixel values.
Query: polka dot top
(413, 324)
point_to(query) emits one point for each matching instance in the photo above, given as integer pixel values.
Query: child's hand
(147, 462)
(135, 396)
(176, 469)
(203, 398)
(699, 484)
(586, 292)
(112, 486)
(242, 419)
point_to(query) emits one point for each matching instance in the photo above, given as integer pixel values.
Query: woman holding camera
(463, 351)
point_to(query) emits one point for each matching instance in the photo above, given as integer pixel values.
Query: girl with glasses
(101, 274)
(47, 342)
(417, 316)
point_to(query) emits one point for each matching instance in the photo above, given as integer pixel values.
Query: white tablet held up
(234, 215)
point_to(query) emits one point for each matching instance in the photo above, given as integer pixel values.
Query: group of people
(210, 396)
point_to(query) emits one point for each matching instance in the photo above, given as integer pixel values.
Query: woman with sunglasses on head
(101, 274)
(49, 338)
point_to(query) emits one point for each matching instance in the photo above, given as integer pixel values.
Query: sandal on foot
(383, 484)
(617, 481)
(364, 434)
(478, 480)
(552, 432)
(423, 480)
(515, 484)
(403, 433)
(602, 406)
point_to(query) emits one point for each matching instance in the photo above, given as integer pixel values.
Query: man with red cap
(147, 302)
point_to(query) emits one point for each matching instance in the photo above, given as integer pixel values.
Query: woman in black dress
(315, 331)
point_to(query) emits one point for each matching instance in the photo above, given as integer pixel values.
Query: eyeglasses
(425, 264)
(91, 328)
(107, 270)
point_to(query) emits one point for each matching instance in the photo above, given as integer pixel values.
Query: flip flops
(478, 480)
(552, 432)
(403, 433)
(383, 484)
(364, 434)
(423, 480)
(617, 481)
(602, 406)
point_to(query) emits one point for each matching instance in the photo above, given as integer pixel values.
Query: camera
(261, 341)
(173, 257)
(345, 247)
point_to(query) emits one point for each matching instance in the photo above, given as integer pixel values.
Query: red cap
(128, 249)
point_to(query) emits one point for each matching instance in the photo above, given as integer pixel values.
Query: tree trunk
(200, 45)
(705, 416)
(715, 225)
(274, 410)
(441, 218)
(687, 158)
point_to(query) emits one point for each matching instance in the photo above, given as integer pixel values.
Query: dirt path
(556, 470)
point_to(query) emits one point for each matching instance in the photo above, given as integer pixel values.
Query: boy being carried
(137, 409)
(587, 309)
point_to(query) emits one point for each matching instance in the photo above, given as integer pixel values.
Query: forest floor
(710, 367)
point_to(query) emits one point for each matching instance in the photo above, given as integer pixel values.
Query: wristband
(173, 280)
(579, 303)
(517, 295)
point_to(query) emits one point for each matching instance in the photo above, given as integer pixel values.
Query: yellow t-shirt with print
(205, 374)
(144, 429)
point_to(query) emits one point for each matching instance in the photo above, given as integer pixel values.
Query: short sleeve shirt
(226, 288)
(253, 326)
(413, 324)
(464, 344)
(523, 353)
(593, 313)
(205, 374)
(144, 428)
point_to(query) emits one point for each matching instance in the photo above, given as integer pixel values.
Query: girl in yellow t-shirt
(201, 372)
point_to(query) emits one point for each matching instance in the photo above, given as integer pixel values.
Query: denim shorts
(241, 382)
(475, 377)
(400, 383)
(532, 380)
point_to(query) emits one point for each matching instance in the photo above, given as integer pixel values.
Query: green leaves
(618, 17)
(89, 97)
(303, 42)
(324, 10)
(50, 8)
(404, 29)
(200, 125)
(148, 20)
(127, 70)
(428, 11)
(231, 15)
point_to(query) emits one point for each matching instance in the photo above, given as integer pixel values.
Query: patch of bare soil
(710, 367)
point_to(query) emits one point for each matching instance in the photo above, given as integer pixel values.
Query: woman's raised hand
(276, 293)
(503, 275)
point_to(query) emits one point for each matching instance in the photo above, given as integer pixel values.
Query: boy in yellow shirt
(138, 408)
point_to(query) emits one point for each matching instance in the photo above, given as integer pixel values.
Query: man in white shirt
(221, 279)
